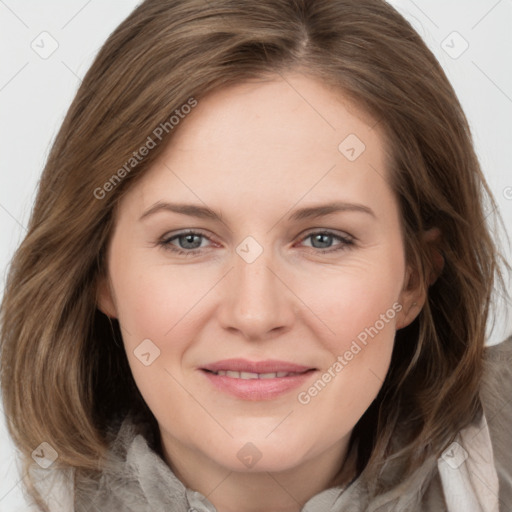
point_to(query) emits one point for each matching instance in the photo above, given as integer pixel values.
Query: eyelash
(347, 243)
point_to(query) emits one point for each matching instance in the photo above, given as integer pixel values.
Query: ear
(105, 297)
(433, 237)
(414, 293)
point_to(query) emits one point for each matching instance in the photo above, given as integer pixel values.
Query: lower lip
(257, 389)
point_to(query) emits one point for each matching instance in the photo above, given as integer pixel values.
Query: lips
(256, 380)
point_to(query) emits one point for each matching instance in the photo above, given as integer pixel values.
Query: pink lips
(256, 388)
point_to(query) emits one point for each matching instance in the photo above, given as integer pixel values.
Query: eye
(189, 243)
(321, 241)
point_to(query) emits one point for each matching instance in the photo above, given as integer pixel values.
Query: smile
(274, 378)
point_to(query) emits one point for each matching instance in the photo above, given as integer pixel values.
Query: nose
(256, 302)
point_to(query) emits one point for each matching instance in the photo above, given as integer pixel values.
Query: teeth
(248, 375)
(268, 375)
(251, 375)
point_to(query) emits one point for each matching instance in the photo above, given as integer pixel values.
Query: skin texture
(254, 153)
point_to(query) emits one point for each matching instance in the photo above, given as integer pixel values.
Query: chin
(267, 463)
(252, 455)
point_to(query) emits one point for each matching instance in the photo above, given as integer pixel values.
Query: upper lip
(267, 366)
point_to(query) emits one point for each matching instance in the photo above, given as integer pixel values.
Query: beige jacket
(473, 475)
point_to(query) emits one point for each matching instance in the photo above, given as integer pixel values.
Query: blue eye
(189, 242)
(325, 237)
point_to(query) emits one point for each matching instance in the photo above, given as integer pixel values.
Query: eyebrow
(314, 212)
(310, 212)
(192, 210)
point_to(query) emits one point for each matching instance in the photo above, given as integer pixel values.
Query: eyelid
(166, 238)
(334, 232)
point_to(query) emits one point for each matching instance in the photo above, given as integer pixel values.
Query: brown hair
(65, 376)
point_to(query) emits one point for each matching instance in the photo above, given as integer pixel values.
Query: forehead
(276, 139)
(280, 111)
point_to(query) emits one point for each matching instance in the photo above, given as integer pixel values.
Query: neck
(280, 491)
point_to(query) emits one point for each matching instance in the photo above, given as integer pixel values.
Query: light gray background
(35, 93)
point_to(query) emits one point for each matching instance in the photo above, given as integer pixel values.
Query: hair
(64, 373)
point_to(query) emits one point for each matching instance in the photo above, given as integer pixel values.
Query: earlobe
(408, 314)
(105, 298)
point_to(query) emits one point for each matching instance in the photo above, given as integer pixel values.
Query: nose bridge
(255, 301)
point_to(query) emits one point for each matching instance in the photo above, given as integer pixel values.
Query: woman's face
(296, 258)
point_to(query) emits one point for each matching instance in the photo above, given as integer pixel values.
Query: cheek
(359, 306)
(357, 302)
(160, 303)
(153, 299)
(360, 354)
(365, 314)
(152, 303)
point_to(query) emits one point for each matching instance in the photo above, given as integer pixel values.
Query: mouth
(259, 380)
(251, 375)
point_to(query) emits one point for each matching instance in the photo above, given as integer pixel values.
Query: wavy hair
(64, 373)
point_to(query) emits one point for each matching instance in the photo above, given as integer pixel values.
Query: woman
(258, 277)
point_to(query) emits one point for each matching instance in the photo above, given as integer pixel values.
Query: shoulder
(496, 388)
(499, 352)
(496, 396)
